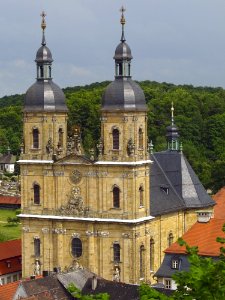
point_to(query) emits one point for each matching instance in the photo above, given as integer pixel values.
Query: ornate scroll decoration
(75, 205)
(75, 235)
(59, 230)
(75, 176)
(126, 235)
(130, 147)
(26, 229)
(97, 233)
(45, 230)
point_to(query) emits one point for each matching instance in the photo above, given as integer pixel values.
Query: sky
(175, 41)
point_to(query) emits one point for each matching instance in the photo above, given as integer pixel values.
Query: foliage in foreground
(75, 292)
(204, 280)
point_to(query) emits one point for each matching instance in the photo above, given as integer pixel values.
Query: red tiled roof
(13, 266)
(202, 235)
(10, 200)
(7, 291)
(10, 249)
(219, 208)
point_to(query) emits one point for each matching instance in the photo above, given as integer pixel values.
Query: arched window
(142, 263)
(76, 247)
(116, 138)
(37, 247)
(36, 188)
(140, 138)
(41, 71)
(50, 71)
(116, 252)
(120, 69)
(60, 143)
(141, 192)
(116, 197)
(35, 138)
(170, 239)
(152, 246)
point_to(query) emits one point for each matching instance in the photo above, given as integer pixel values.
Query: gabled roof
(75, 159)
(174, 185)
(202, 235)
(13, 266)
(49, 287)
(10, 249)
(7, 291)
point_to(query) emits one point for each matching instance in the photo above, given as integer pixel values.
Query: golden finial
(122, 19)
(43, 23)
(43, 26)
(172, 113)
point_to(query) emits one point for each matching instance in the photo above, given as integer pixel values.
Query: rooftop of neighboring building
(202, 235)
(8, 158)
(10, 200)
(7, 291)
(219, 209)
(10, 249)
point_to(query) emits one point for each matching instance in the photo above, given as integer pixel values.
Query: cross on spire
(43, 26)
(122, 22)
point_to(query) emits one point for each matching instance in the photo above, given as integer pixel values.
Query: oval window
(76, 247)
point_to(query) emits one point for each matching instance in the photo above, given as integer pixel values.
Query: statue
(37, 267)
(130, 147)
(116, 274)
(49, 146)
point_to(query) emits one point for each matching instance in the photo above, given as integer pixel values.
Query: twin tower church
(114, 214)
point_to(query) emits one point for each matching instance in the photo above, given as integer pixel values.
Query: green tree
(75, 292)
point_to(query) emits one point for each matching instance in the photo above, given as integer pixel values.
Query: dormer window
(8, 263)
(175, 263)
(164, 189)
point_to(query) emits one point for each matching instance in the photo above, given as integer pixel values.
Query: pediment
(74, 159)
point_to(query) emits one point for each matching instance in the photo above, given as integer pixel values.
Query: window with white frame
(167, 283)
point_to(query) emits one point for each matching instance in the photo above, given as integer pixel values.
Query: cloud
(79, 71)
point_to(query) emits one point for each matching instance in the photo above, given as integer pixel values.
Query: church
(114, 214)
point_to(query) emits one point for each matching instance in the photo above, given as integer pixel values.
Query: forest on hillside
(199, 115)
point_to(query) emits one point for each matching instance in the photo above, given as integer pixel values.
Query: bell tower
(124, 111)
(45, 111)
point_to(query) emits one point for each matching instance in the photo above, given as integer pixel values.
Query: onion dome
(172, 133)
(123, 93)
(44, 94)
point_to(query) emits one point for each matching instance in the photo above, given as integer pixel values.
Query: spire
(172, 133)
(172, 115)
(43, 26)
(122, 22)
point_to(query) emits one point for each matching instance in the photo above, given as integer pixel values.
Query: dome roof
(123, 52)
(172, 131)
(123, 94)
(45, 95)
(44, 55)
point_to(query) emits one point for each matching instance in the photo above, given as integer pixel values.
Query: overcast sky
(177, 41)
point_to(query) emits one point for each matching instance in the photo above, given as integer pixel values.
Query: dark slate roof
(45, 95)
(7, 159)
(171, 172)
(48, 284)
(165, 270)
(123, 94)
(44, 55)
(123, 52)
(116, 290)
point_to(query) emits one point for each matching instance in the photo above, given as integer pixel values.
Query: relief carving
(75, 205)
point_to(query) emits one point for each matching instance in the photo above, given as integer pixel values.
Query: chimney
(45, 273)
(94, 283)
(32, 277)
(203, 216)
